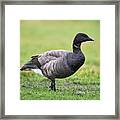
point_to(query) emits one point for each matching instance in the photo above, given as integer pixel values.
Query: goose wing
(54, 64)
(55, 53)
(50, 56)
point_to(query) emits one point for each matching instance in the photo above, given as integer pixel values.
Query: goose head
(81, 37)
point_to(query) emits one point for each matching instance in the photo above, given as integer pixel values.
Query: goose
(59, 63)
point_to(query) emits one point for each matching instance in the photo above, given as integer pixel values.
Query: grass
(40, 36)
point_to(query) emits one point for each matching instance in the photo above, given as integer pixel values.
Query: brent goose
(59, 63)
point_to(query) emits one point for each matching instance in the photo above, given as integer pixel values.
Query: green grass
(40, 36)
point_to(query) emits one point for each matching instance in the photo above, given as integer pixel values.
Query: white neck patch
(76, 46)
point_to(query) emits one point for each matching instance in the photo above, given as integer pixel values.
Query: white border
(104, 13)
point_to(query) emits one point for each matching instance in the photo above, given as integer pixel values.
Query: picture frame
(2, 65)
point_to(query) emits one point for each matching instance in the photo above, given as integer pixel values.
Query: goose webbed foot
(52, 86)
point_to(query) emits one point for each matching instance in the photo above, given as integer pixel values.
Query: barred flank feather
(53, 64)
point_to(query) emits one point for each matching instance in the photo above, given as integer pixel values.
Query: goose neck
(76, 48)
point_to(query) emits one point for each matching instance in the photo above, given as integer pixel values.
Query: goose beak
(89, 39)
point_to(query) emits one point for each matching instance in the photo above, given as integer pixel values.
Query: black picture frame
(67, 2)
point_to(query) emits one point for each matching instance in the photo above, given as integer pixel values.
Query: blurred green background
(38, 36)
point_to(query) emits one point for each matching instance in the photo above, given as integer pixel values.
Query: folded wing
(51, 56)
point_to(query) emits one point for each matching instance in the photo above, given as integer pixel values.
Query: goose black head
(81, 37)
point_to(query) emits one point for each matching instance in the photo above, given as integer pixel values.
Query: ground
(40, 36)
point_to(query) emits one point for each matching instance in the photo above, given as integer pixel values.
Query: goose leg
(53, 85)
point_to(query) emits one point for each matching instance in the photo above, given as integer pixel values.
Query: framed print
(60, 59)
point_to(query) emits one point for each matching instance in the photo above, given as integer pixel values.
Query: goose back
(51, 56)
